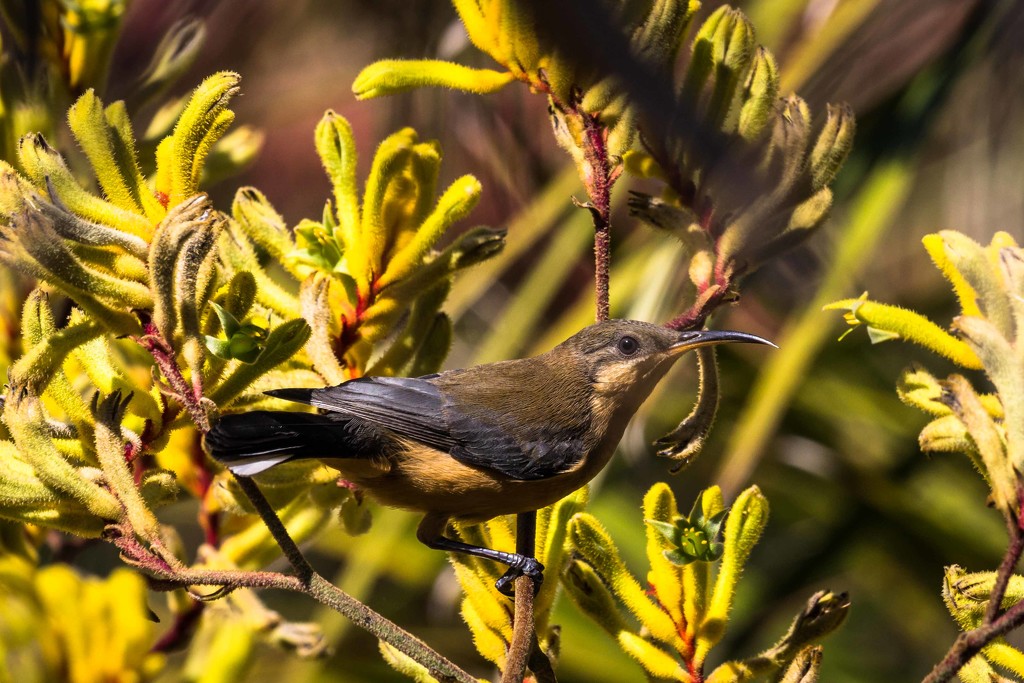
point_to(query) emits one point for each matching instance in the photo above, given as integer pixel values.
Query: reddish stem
(703, 307)
(190, 396)
(971, 643)
(1006, 567)
(599, 179)
(996, 622)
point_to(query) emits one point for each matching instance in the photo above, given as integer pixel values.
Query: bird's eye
(628, 346)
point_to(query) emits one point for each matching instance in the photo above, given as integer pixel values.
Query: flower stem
(522, 621)
(996, 623)
(598, 180)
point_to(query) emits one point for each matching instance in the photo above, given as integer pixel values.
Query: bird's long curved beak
(693, 339)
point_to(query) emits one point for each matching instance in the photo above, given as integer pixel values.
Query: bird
(475, 443)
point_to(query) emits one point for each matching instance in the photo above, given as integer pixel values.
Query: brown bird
(473, 444)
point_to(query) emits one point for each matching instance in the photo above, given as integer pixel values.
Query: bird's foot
(522, 566)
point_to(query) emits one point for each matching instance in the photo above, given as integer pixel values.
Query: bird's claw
(525, 566)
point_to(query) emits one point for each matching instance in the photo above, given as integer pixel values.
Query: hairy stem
(296, 559)
(189, 395)
(971, 643)
(598, 180)
(523, 634)
(996, 623)
(602, 253)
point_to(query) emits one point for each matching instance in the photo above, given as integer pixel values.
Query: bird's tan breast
(428, 480)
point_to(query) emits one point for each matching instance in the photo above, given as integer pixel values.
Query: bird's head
(628, 357)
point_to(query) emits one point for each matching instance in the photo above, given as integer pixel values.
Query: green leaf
(228, 323)
(221, 348)
(282, 343)
(317, 245)
(668, 530)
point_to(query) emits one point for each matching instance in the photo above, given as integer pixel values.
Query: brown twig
(1015, 529)
(524, 637)
(189, 394)
(523, 634)
(996, 622)
(971, 643)
(598, 180)
(303, 569)
(169, 574)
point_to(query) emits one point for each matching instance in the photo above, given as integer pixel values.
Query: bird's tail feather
(249, 443)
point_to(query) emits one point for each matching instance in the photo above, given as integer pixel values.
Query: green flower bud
(743, 528)
(204, 120)
(760, 95)
(833, 145)
(592, 596)
(175, 53)
(282, 343)
(691, 538)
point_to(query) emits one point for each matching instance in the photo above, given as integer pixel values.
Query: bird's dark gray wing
(417, 409)
(519, 451)
(408, 407)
